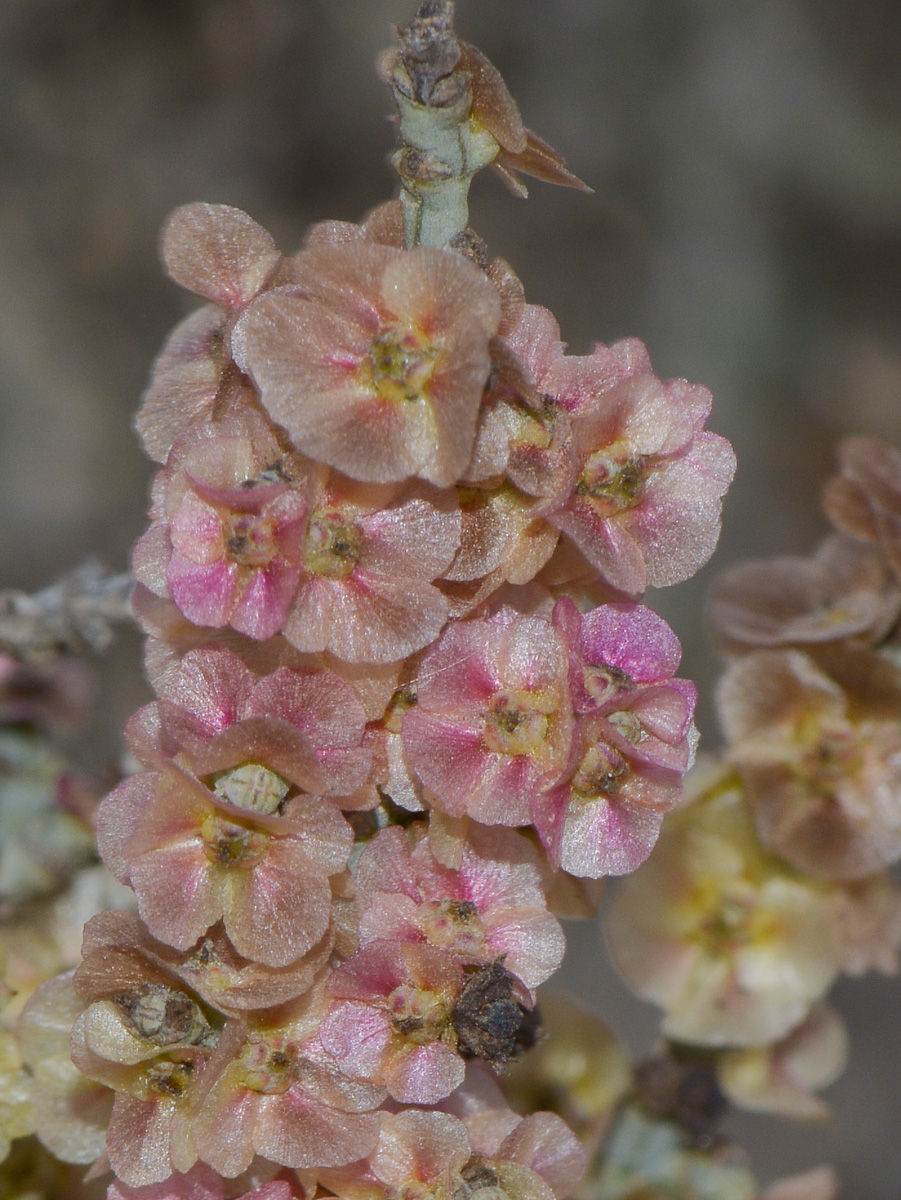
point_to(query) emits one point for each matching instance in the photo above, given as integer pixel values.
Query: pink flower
(228, 538)
(392, 1020)
(501, 542)
(818, 746)
(255, 738)
(369, 556)
(864, 499)
(492, 907)
(193, 859)
(376, 360)
(276, 1094)
(493, 721)
(845, 590)
(604, 816)
(222, 254)
(149, 1134)
(643, 501)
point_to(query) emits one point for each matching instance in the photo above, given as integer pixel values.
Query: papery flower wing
(218, 252)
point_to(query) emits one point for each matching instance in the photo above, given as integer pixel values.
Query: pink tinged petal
(425, 1146)
(536, 340)
(461, 672)
(611, 549)
(263, 603)
(449, 760)
(424, 1074)
(633, 638)
(302, 1133)
(224, 1127)
(204, 594)
(390, 916)
(357, 1036)
(150, 558)
(150, 810)
(435, 288)
(531, 941)
(546, 1144)
(196, 530)
(319, 703)
(666, 711)
(218, 252)
(178, 897)
(347, 281)
(279, 745)
(277, 910)
(414, 538)
(185, 381)
(653, 419)
(386, 865)
(532, 655)
(366, 618)
(506, 791)
(678, 519)
(143, 1141)
(325, 835)
(606, 836)
(317, 607)
(200, 1183)
(204, 694)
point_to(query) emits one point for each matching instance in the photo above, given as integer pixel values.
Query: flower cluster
(385, 721)
(775, 877)
(390, 733)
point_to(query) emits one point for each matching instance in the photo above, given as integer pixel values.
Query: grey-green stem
(442, 148)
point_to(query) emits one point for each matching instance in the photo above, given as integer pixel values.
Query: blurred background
(746, 223)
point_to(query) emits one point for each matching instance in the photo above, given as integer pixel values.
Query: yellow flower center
(420, 1015)
(517, 723)
(249, 539)
(267, 1069)
(230, 845)
(454, 924)
(400, 364)
(332, 545)
(599, 773)
(167, 1078)
(612, 478)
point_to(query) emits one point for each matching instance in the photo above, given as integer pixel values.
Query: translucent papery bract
(391, 1023)
(734, 946)
(819, 752)
(864, 499)
(230, 514)
(844, 591)
(643, 499)
(783, 1078)
(306, 726)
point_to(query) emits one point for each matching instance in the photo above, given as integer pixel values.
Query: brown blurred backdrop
(746, 156)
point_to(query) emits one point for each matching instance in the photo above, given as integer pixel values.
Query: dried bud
(486, 1018)
(430, 51)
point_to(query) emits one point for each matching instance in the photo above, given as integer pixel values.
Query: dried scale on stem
(456, 117)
